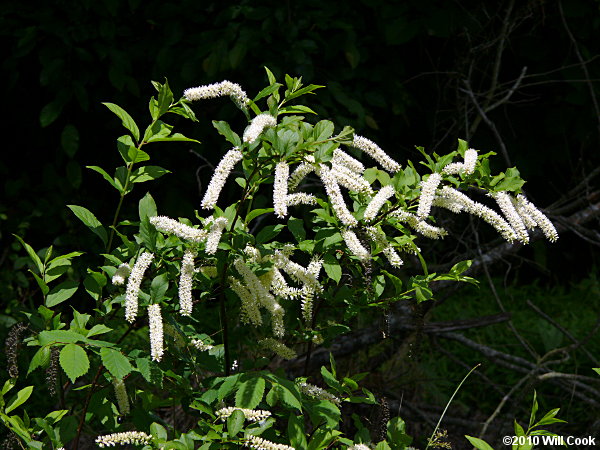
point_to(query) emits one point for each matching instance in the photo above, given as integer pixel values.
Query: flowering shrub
(194, 318)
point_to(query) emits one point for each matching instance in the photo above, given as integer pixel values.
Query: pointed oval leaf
(89, 219)
(74, 361)
(19, 399)
(250, 393)
(127, 120)
(62, 292)
(117, 364)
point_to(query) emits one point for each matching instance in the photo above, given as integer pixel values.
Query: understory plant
(202, 328)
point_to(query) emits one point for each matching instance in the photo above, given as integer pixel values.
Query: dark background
(403, 73)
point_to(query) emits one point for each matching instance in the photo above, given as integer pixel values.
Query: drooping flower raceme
(420, 226)
(201, 345)
(214, 235)
(377, 202)
(467, 167)
(375, 152)
(257, 126)
(121, 395)
(538, 217)
(215, 90)
(335, 196)
(251, 415)
(122, 272)
(428, 189)
(280, 189)
(354, 245)
(350, 179)
(185, 283)
(278, 348)
(380, 239)
(307, 166)
(315, 391)
(181, 230)
(125, 438)
(259, 443)
(222, 171)
(133, 285)
(505, 203)
(156, 332)
(344, 159)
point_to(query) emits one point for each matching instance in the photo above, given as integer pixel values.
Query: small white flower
(257, 126)
(538, 217)
(224, 168)
(201, 345)
(252, 415)
(156, 332)
(250, 312)
(344, 159)
(354, 245)
(133, 285)
(350, 179)
(214, 235)
(467, 167)
(375, 152)
(428, 189)
(181, 230)
(420, 226)
(335, 196)
(380, 239)
(377, 202)
(278, 348)
(221, 89)
(121, 395)
(128, 437)
(280, 189)
(122, 272)
(185, 283)
(359, 447)
(300, 172)
(259, 443)
(300, 198)
(314, 391)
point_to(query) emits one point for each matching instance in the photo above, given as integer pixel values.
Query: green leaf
(305, 90)
(32, 254)
(69, 140)
(250, 393)
(93, 284)
(175, 137)
(296, 109)
(225, 130)
(41, 283)
(59, 337)
(549, 418)
(323, 130)
(89, 219)
(268, 233)
(267, 91)
(332, 267)
(62, 292)
(143, 366)
(148, 173)
(383, 445)
(74, 361)
(158, 431)
(478, 443)
(296, 433)
(147, 207)
(597, 370)
(257, 212)
(129, 152)
(106, 176)
(50, 113)
(330, 379)
(228, 386)
(127, 120)
(165, 98)
(117, 364)
(19, 399)
(159, 287)
(235, 422)
(296, 227)
(40, 359)
(98, 329)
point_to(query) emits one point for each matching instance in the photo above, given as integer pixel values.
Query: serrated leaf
(19, 399)
(235, 422)
(126, 119)
(41, 358)
(62, 292)
(32, 254)
(89, 220)
(74, 361)
(250, 393)
(98, 329)
(117, 364)
(59, 337)
(143, 366)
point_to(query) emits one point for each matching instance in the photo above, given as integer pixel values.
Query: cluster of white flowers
(342, 158)
(257, 126)
(420, 226)
(278, 348)
(156, 332)
(122, 272)
(222, 171)
(201, 345)
(354, 245)
(308, 291)
(350, 179)
(300, 172)
(505, 203)
(377, 202)
(215, 90)
(280, 189)
(121, 395)
(181, 230)
(125, 438)
(214, 234)
(133, 285)
(259, 443)
(380, 239)
(252, 415)
(375, 152)
(185, 283)
(534, 217)
(359, 447)
(428, 189)
(335, 196)
(300, 198)
(315, 391)
(467, 167)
